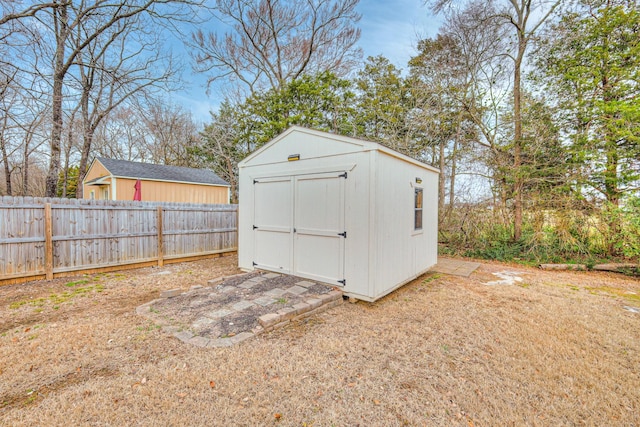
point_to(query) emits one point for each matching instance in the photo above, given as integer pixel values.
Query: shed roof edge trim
(367, 145)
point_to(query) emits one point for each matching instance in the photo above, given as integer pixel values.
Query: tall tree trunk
(84, 159)
(60, 18)
(454, 153)
(67, 154)
(452, 178)
(7, 169)
(56, 132)
(611, 180)
(517, 138)
(87, 131)
(441, 182)
(613, 197)
(25, 167)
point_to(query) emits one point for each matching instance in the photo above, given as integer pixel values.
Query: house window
(417, 218)
(105, 194)
(92, 194)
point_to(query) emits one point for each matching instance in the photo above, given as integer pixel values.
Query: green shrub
(588, 236)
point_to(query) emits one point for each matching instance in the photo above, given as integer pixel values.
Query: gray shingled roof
(137, 170)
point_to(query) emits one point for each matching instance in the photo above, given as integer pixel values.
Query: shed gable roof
(137, 170)
(353, 143)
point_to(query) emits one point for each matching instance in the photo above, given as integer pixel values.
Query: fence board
(193, 232)
(21, 238)
(91, 234)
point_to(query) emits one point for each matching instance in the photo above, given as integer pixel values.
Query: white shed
(339, 210)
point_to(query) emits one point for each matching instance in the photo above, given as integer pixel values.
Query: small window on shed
(417, 223)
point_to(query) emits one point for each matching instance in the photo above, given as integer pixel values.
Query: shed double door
(299, 225)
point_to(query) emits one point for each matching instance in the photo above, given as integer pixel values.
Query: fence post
(48, 242)
(160, 242)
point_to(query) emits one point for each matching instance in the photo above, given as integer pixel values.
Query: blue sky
(389, 28)
(392, 28)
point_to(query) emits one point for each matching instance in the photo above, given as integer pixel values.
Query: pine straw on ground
(557, 349)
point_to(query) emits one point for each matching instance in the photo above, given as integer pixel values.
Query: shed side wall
(401, 252)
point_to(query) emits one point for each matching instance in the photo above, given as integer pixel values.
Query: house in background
(109, 179)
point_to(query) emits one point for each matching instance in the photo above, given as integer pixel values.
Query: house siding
(159, 191)
(156, 191)
(97, 170)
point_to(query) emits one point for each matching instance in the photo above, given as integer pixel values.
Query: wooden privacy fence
(46, 237)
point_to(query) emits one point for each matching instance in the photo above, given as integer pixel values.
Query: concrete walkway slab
(455, 267)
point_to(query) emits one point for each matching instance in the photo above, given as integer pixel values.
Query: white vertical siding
(382, 249)
(401, 252)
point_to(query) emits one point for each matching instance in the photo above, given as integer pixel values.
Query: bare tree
(171, 135)
(71, 27)
(460, 81)
(7, 95)
(524, 17)
(33, 183)
(219, 148)
(275, 41)
(71, 144)
(150, 132)
(111, 73)
(10, 14)
(15, 38)
(34, 130)
(122, 136)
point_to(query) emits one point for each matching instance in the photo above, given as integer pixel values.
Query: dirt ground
(557, 348)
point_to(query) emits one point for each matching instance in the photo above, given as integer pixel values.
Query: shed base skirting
(387, 291)
(356, 295)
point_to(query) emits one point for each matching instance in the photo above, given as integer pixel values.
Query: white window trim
(420, 230)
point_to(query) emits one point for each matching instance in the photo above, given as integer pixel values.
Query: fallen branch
(615, 267)
(576, 267)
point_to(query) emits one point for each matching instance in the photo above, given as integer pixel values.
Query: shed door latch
(343, 234)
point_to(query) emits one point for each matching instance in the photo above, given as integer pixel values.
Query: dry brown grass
(557, 350)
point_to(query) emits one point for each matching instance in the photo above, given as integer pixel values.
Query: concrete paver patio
(233, 309)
